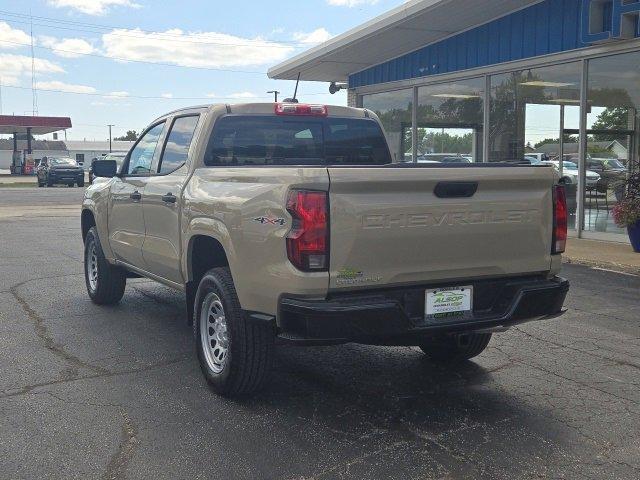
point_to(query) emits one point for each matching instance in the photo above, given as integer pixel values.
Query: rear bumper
(396, 316)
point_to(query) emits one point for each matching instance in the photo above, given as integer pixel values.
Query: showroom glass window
(613, 97)
(450, 121)
(395, 110)
(526, 107)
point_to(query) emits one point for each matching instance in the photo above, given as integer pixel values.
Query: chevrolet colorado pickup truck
(289, 223)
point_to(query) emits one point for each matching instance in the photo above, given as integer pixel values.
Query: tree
(130, 136)
(439, 142)
(614, 118)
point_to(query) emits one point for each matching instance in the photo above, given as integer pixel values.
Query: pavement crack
(117, 466)
(43, 333)
(29, 388)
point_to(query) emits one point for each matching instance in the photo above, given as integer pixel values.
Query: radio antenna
(295, 92)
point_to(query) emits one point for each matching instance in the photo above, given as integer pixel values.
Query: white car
(570, 172)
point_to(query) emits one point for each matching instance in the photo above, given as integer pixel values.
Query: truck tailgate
(388, 226)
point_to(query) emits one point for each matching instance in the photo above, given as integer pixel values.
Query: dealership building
(501, 80)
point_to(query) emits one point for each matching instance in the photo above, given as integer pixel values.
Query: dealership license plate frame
(450, 308)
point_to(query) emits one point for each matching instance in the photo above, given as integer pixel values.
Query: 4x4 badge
(270, 221)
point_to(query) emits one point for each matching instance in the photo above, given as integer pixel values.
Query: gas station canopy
(34, 125)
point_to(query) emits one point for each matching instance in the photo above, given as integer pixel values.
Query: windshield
(570, 165)
(614, 164)
(62, 161)
(114, 156)
(280, 140)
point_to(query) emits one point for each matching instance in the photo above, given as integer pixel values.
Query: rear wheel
(455, 348)
(81, 183)
(105, 282)
(235, 352)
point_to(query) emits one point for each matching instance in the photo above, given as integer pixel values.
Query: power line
(137, 61)
(170, 36)
(151, 97)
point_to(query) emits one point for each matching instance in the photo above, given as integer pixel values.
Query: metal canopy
(38, 125)
(413, 25)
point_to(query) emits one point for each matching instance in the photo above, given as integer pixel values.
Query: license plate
(448, 302)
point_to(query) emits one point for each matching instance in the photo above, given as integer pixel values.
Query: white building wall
(7, 155)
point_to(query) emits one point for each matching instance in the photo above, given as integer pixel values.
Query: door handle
(169, 198)
(136, 196)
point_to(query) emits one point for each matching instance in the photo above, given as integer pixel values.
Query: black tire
(455, 348)
(110, 282)
(250, 343)
(81, 183)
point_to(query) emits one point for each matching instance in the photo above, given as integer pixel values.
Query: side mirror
(105, 168)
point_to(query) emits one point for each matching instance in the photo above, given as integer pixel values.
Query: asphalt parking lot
(112, 393)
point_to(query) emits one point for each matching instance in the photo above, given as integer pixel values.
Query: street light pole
(275, 94)
(110, 125)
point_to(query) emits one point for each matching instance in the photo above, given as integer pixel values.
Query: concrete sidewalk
(608, 255)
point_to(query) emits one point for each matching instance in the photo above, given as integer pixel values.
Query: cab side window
(178, 142)
(141, 156)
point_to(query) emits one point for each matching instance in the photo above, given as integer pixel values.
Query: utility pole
(110, 125)
(275, 94)
(33, 72)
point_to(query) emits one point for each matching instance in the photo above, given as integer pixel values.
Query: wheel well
(87, 221)
(205, 253)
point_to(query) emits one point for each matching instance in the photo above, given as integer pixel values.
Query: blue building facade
(553, 82)
(551, 26)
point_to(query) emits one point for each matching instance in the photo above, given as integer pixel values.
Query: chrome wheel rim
(213, 333)
(92, 266)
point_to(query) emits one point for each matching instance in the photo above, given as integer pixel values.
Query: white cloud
(16, 65)
(192, 49)
(167, 95)
(116, 95)
(64, 87)
(12, 37)
(9, 81)
(68, 47)
(351, 3)
(319, 35)
(93, 7)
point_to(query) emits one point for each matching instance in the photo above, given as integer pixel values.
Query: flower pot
(634, 236)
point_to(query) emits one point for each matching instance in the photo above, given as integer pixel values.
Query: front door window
(141, 158)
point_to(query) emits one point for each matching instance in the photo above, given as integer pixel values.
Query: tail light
(560, 215)
(308, 239)
(301, 109)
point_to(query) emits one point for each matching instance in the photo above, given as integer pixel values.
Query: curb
(615, 267)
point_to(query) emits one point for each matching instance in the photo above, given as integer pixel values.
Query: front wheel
(455, 348)
(105, 282)
(235, 352)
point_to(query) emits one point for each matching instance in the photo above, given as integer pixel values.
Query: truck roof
(268, 108)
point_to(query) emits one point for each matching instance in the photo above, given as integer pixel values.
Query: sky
(95, 60)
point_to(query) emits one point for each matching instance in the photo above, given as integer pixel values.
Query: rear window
(280, 141)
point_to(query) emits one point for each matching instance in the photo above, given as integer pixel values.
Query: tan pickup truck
(289, 223)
